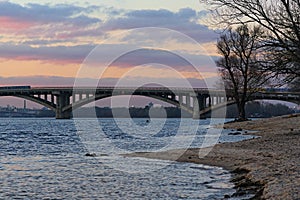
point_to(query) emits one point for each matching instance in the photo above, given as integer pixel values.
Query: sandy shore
(268, 166)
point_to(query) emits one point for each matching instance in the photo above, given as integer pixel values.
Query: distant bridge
(197, 101)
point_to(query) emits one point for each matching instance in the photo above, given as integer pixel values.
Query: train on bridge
(15, 87)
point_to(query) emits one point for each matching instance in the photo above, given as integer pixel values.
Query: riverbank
(268, 166)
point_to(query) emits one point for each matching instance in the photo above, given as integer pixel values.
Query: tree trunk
(242, 111)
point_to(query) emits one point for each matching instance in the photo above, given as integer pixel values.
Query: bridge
(197, 101)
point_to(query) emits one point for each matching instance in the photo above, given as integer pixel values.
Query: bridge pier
(196, 108)
(62, 101)
(199, 102)
(63, 115)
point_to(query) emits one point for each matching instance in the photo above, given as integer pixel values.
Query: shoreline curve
(267, 166)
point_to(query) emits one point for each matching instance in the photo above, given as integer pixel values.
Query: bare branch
(281, 21)
(239, 65)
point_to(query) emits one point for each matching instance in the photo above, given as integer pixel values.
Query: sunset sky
(45, 43)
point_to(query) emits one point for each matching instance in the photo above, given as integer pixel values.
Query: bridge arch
(97, 97)
(37, 100)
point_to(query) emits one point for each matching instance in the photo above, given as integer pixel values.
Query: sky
(133, 42)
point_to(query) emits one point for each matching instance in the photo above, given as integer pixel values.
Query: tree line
(255, 109)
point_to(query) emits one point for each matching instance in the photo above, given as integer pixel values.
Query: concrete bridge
(197, 101)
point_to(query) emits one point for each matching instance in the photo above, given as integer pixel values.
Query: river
(46, 159)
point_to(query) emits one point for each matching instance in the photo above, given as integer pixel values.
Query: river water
(46, 159)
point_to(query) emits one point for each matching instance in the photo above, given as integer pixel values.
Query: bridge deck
(64, 99)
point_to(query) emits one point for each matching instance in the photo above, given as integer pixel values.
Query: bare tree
(281, 20)
(240, 64)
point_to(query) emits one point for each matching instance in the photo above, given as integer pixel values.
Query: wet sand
(268, 166)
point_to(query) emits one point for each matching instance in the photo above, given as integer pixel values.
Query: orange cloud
(9, 68)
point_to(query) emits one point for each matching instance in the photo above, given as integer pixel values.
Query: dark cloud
(61, 13)
(185, 21)
(43, 42)
(156, 56)
(38, 80)
(52, 54)
(145, 56)
(61, 21)
(68, 22)
(77, 54)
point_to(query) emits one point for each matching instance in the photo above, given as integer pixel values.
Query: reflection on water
(44, 158)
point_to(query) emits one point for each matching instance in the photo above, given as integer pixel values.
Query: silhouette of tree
(240, 65)
(281, 21)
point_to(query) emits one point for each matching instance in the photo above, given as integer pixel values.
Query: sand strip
(268, 166)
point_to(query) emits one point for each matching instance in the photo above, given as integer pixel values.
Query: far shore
(268, 166)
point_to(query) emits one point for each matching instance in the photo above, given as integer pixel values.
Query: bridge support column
(196, 109)
(173, 97)
(209, 101)
(180, 99)
(52, 99)
(198, 105)
(62, 101)
(73, 98)
(188, 101)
